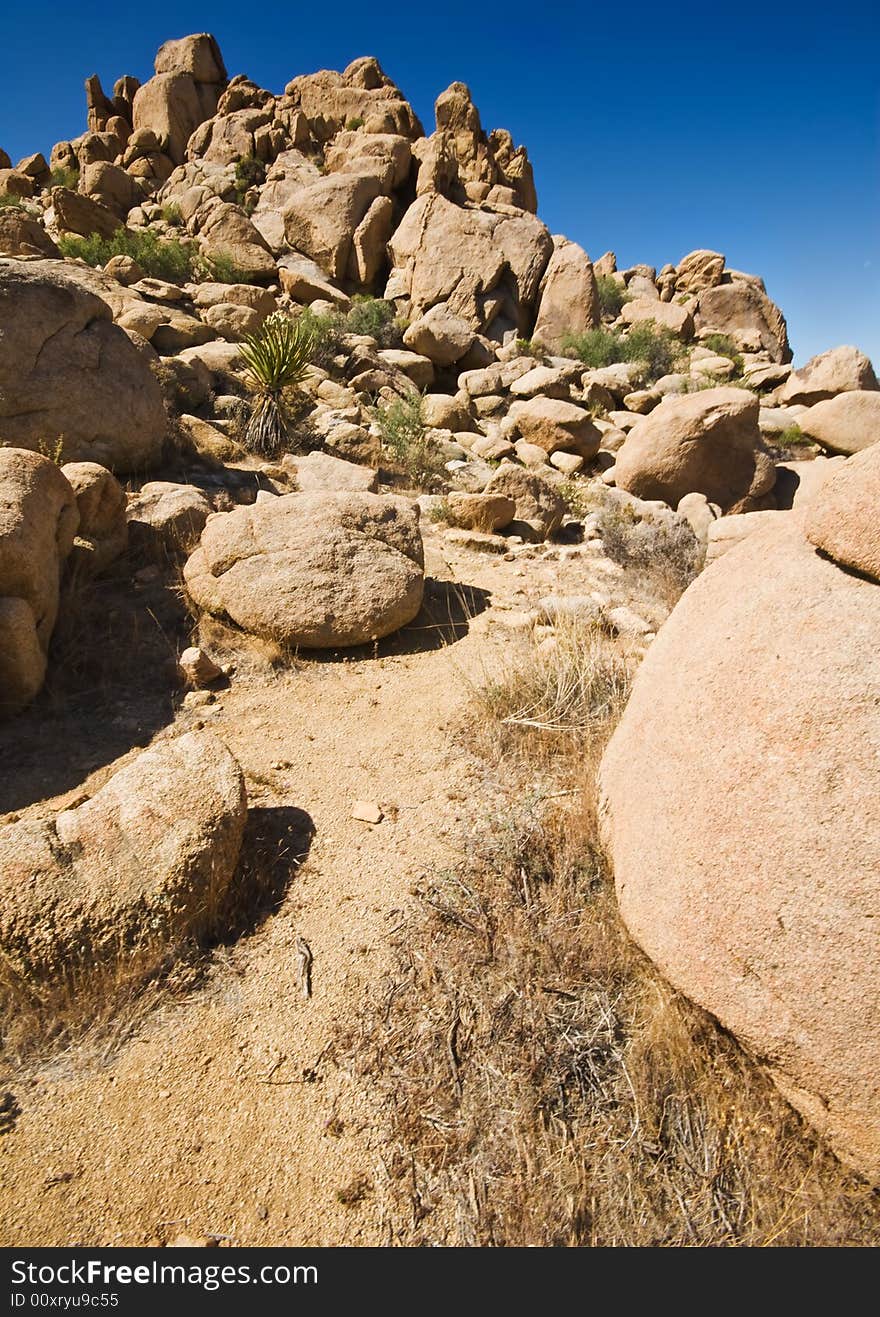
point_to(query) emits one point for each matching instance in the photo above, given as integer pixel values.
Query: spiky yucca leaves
(277, 357)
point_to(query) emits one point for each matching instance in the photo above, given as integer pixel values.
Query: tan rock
(22, 234)
(197, 668)
(668, 315)
(100, 500)
(38, 521)
(842, 519)
(321, 218)
(147, 860)
(841, 370)
(846, 423)
(487, 512)
(321, 473)
(538, 506)
(555, 425)
(698, 271)
(747, 861)
(166, 520)
(312, 570)
(440, 335)
(75, 213)
(569, 302)
(96, 393)
(745, 313)
(703, 442)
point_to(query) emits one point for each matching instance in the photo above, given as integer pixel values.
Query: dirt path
(223, 1115)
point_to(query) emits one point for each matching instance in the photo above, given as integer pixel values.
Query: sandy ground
(225, 1114)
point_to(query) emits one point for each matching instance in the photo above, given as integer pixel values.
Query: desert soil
(224, 1112)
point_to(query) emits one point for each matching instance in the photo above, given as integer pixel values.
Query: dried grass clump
(540, 1083)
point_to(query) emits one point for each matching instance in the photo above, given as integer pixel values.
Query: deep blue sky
(653, 128)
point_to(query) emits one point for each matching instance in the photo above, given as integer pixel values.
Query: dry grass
(540, 1084)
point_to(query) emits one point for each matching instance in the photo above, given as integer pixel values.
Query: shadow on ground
(276, 844)
(111, 686)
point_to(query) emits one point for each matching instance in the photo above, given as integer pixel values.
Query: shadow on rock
(276, 844)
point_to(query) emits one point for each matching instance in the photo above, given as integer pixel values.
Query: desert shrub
(172, 214)
(9, 200)
(668, 551)
(404, 437)
(277, 357)
(654, 347)
(249, 172)
(220, 268)
(64, 176)
(611, 294)
(722, 344)
(356, 121)
(373, 316)
(162, 258)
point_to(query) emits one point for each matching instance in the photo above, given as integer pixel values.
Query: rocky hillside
(289, 359)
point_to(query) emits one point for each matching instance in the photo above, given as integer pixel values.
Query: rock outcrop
(97, 397)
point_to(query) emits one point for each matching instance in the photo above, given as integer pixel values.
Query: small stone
(197, 668)
(198, 699)
(366, 811)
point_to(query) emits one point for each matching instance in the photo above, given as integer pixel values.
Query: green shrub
(171, 214)
(355, 122)
(371, 315)
(403, 432)
(655, 348)
(721, 344)
(62, 176)
(277, 357)
(249, 172)
(612, 295)
(368, 315)
(793, 437)
(162, 258)
(9, 200)
(221, 269)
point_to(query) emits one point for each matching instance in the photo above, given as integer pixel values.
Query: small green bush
(162, 258)
(402, 428)
(368, 315)
(221, 269)
(9, 200)
(612, 295)
(355, 122)
(61, 176)
(721, 344)
(277, 357)
(249, 172)
(654, 347)
(171, 214)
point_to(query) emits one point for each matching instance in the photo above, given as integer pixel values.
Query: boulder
(321, 473)
(68, 374)
(698, 271)
(320, 219)
(198, 55)
(103, 530)
(312, 571)
(110, 185)
(484, 265)
(539, 509)
(38, 521)
(172, 105)
(667, 315)
(166, 520)
(22, 234)
(554, 425)
(745, 314)
(841, 370)
(747, 861)
(569, 301)
(842, 519)
(704, 442)
(727, 532)
(440, 335)
(482, 512)
(226, 232)
(75, 213)
(846, 423)
(146, 861)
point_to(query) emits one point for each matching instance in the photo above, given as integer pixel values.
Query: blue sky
(653, 128)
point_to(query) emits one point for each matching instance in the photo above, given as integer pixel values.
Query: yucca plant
(277, 357)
